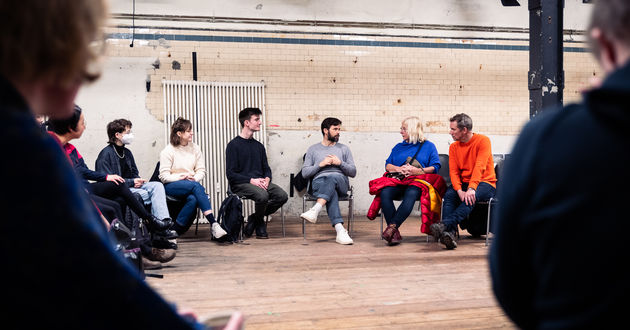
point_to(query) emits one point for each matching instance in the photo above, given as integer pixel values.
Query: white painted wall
(448, 12)
(121, 93)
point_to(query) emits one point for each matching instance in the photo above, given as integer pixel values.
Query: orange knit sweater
(471, 162)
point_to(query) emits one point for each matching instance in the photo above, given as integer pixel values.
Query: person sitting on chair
(415, 147)
(107, 185)
(329, 164)
(249, 174)
(182, 167)
(116, 159)
(472, 176)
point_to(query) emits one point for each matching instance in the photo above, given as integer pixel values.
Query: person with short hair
(558, 256)
(115, 158)
(473, 179)
(107, 185)
(182, 167)
(249, 174)
(329, 164)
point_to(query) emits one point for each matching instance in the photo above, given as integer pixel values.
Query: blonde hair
(52, 40)
(414, 129)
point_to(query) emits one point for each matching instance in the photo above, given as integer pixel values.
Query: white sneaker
(310, 216)
(217, 231)
(344, 238)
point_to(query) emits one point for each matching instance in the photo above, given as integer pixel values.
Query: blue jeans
(408, 194)
(330, 187)
(195, 196)
(454, 210)
(153, 193)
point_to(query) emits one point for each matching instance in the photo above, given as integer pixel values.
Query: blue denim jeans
(454, 210)
(408, 194)
(330, 187)
(195, 196)
(153, 193)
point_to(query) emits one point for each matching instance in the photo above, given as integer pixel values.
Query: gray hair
(462, 120)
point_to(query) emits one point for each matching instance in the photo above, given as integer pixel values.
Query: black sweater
(245, 159)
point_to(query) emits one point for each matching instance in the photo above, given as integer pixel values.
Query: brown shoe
(149, 265)
(388, 232)
(396, 237)
(161, 255)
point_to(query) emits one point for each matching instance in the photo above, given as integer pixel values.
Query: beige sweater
(177, 162)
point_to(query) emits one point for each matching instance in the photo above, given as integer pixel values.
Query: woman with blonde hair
(413, 156)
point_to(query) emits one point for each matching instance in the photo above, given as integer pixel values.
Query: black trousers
(110, 209)
(111, 190)
(266, 201)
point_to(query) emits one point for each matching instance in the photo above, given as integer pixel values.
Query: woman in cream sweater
(182, 167)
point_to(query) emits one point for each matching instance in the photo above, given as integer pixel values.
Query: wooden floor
(289, 283)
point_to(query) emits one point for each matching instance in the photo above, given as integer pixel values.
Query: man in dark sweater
(557, 260)
(249, 174)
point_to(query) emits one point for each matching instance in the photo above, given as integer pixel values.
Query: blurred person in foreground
(558, 257)
(59, 263)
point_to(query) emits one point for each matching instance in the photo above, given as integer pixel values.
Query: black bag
(127, 245)
(137, 227)
(411, 161)
(230, 217)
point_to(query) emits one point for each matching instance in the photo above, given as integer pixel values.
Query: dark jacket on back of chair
(559, 256)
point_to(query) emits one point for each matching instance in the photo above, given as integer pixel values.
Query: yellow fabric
(435, 198)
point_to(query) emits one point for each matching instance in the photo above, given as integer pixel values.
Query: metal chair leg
(197, 224)
(350, 216)
(488, 223)
(382, 220)
(304, 221)
(284, 234)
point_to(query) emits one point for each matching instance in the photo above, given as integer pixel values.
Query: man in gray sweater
(329, 164)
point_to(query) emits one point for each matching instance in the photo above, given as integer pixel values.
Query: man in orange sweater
(472, 175)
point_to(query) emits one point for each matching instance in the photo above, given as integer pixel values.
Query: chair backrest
(156, 173)
(498, 166)
(444, 169)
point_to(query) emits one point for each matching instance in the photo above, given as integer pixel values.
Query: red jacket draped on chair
(432, 186)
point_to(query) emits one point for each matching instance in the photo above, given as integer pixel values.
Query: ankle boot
(388, 232)
(261, 229)
(248, 231)
(156, 224)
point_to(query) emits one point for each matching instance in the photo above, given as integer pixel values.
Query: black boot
(168, 234)
(248, 231)
(261, 229)
(156, 224)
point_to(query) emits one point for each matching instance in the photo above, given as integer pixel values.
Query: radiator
(213, 109)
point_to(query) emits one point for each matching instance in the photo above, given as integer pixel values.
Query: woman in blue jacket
(425, 156)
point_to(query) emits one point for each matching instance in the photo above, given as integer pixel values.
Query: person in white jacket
(182, 167)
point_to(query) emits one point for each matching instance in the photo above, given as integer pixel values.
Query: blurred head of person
(609, 33)
(49, 48)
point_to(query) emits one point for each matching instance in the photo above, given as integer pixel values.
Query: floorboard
(292, 283)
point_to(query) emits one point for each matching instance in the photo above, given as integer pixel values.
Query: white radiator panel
(213, 109)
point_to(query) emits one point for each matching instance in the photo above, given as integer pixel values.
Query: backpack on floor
(230, 217)
(127, 245)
